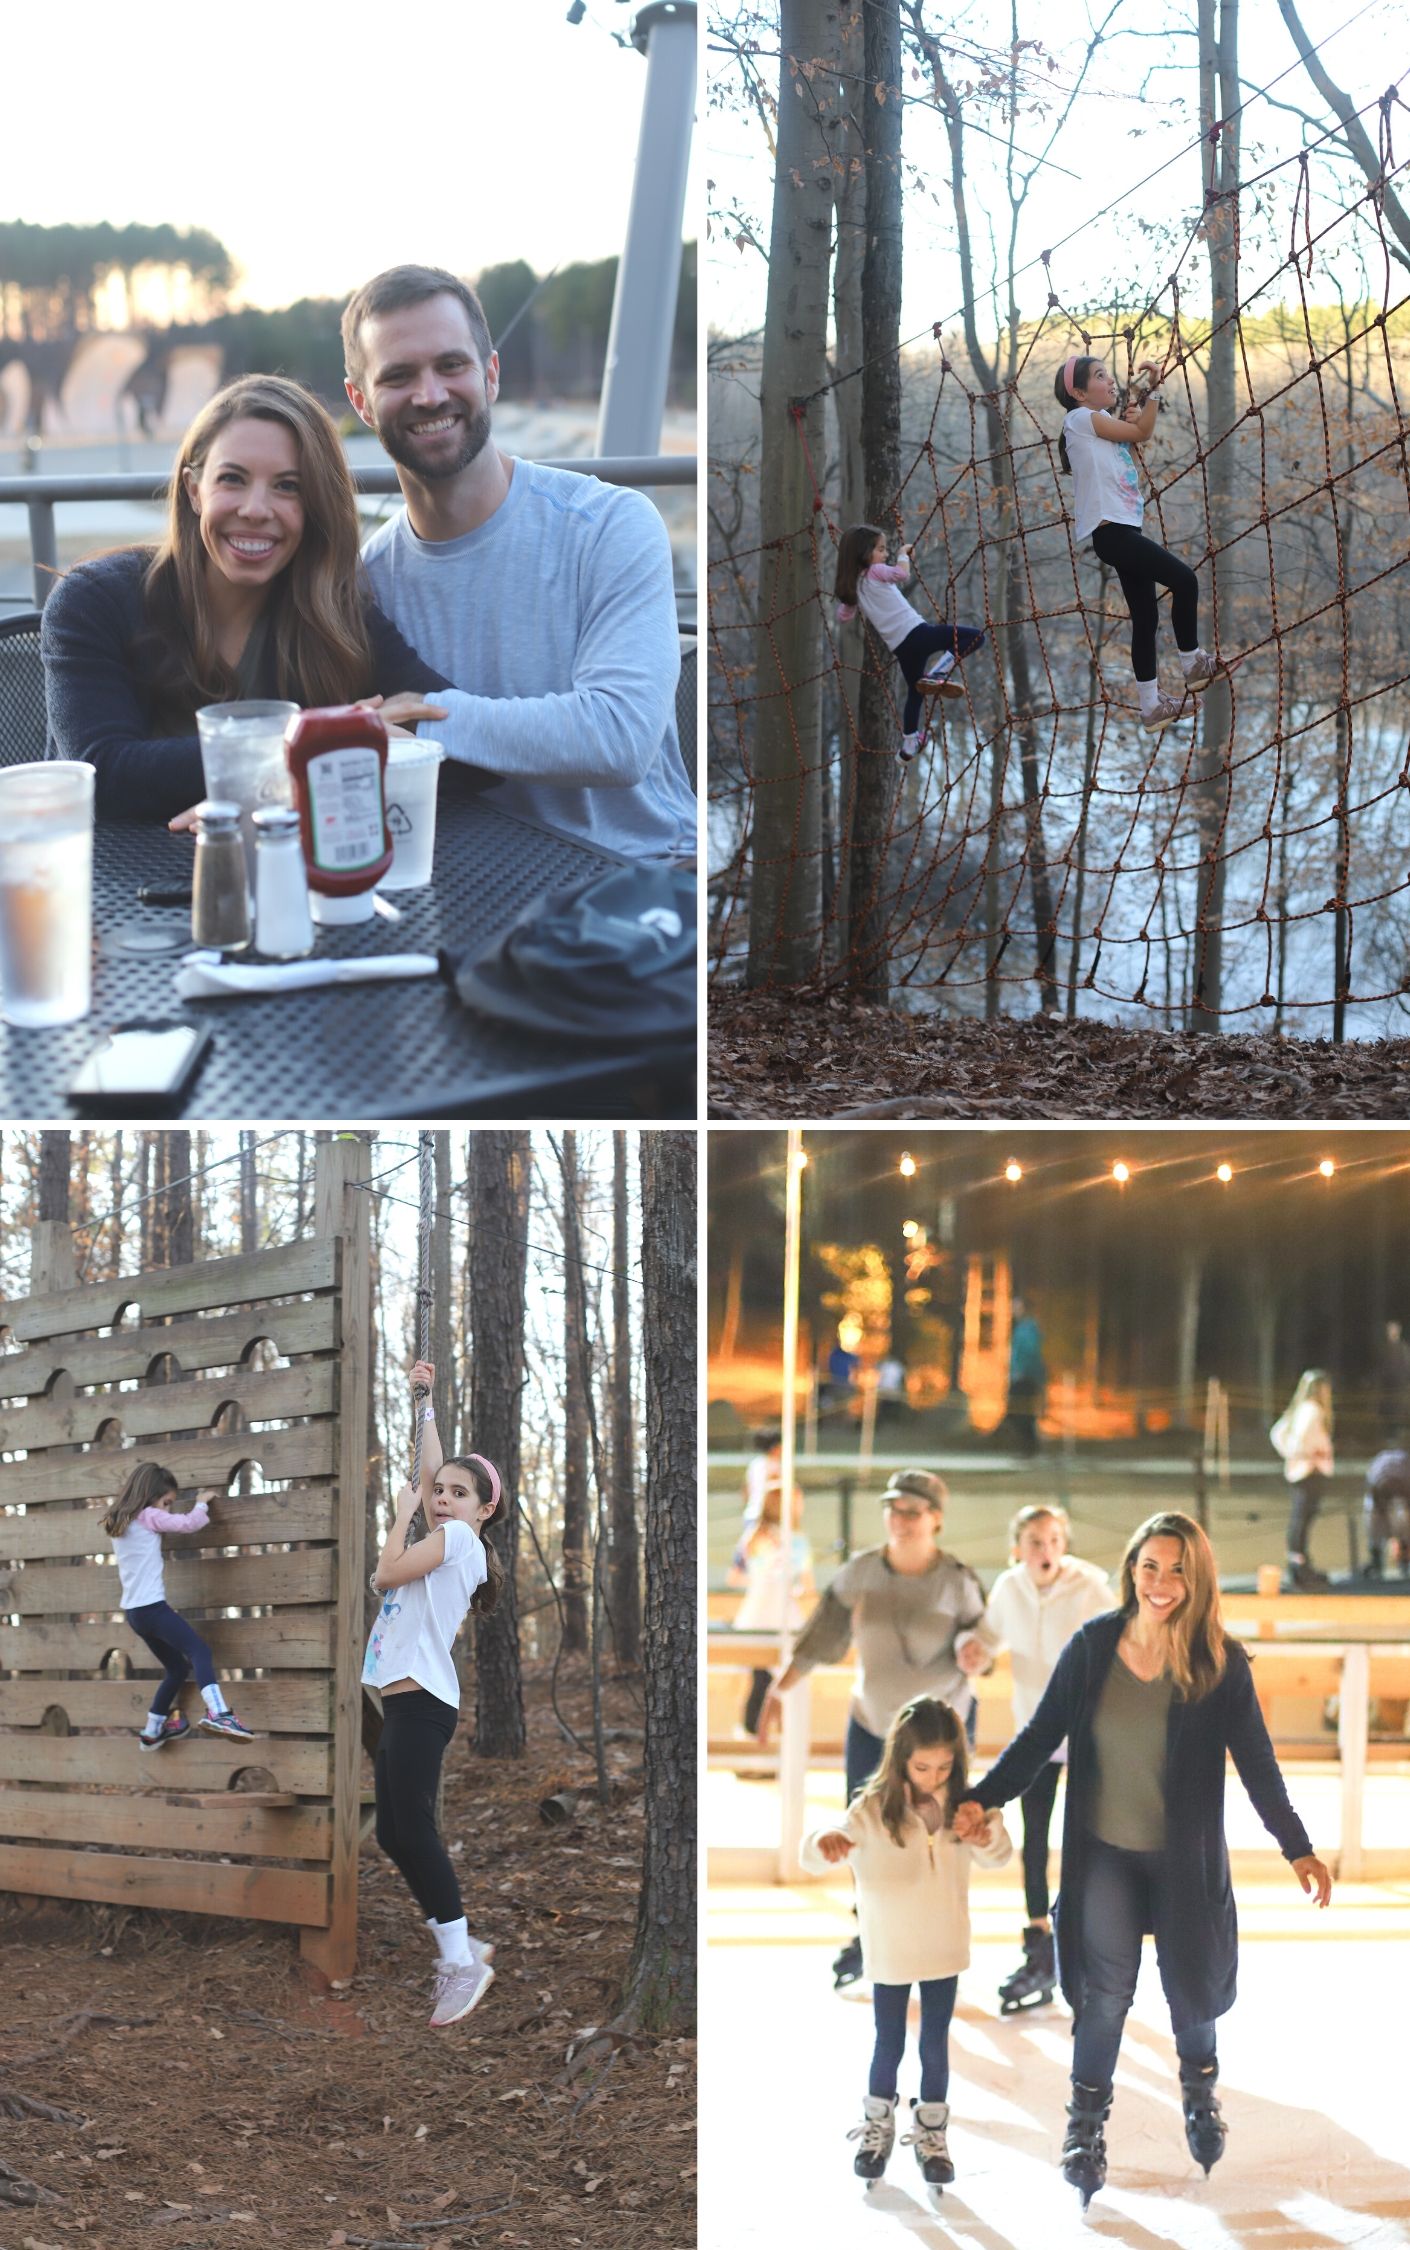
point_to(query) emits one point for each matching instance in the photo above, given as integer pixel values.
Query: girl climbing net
(912, 1878)
(135, 1523)
(429, 1588)
(927, 654)
(1095, 450)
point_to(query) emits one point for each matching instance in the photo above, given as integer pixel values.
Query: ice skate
(1084, 2150)
(1033, 1982)
(847, 1965)
(877, 2134)
(928, 2140)
(1205, 2130)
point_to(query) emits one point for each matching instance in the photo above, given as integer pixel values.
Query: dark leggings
(1119, 1904)
(1307, 1497)
(889, 2005)
(1142, 566)
(177, 1647)
(1037, 1803)
(916, 650)
(416, 1729)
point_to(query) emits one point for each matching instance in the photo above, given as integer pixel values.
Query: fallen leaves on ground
(344, 2119)
(804, 1054)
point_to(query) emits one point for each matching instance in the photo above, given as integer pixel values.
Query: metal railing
(41, 494)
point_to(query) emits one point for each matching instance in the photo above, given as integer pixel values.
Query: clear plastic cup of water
(242, 756)
(413, 772)
(46, 892)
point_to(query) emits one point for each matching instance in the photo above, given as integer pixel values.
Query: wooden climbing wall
(149, 1367)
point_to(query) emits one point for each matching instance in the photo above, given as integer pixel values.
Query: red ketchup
(337, 759)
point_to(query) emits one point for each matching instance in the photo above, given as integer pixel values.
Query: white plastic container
(413, 775)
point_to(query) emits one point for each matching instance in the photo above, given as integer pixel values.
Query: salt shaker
(283, 926)
(220, 898)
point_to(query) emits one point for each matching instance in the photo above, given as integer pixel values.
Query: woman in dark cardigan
(256, 592)
(1151, 1700)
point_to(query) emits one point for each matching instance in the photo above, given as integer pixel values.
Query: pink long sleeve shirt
(139, 1552)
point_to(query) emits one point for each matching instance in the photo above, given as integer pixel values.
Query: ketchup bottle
(337, 760)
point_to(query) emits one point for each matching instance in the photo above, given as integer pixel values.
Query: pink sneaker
(461, 1985)
(172, 1728)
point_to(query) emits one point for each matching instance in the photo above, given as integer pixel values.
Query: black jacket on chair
(1198, 1947)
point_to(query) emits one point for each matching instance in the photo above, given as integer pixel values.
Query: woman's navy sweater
(102, 708)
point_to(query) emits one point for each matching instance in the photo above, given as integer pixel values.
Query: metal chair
(685, 707)
(24, 725)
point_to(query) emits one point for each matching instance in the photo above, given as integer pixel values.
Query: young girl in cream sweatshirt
(912, 1878)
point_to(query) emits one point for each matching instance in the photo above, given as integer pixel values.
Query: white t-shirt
(1105, 486)
(411, 1638)
(883, 605)
(762, 1607)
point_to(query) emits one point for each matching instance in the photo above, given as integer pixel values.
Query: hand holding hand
(834, 1846)
(1312, 1875)
(971, 1822)
(972, 1657)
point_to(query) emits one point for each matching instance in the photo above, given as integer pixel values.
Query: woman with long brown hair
(1151, 1700)
(429, 1586)
(256, 590)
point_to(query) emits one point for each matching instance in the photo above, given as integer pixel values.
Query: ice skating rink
(1315, 2062)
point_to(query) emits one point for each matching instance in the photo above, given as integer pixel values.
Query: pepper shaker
(220, 898)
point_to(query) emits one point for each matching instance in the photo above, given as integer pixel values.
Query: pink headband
(493, 1474)
(1069, 369)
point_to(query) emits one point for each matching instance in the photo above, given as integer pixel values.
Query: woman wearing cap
(902, 1604)
(1151, 1699)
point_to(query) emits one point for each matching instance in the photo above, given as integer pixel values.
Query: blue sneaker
(172, 1728)
(225, 1722)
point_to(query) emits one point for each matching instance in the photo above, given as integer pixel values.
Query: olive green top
(1128, 1735)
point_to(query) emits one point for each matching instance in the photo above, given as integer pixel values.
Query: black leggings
(916, 650)
(416, 1729)
(177, 1647)
(1142, 566)
(1307, 1496)
(1037, 1803)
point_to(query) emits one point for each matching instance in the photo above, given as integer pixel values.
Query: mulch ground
(828, 1056)
(207, 2096)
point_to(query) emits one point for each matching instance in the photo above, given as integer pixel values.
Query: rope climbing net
(1042, 833)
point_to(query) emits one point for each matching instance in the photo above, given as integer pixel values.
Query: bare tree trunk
(624, 1580)
(851, 203)
(575, 1418)
(54, 1176)
(786, 842)
(875, 785)
(115, 1206)
(498, 1180)
(1219, 127)
(659, 1995)
(249, 1216)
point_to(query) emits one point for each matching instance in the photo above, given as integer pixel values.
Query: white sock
(1149, 693)
(1189, 657)
(156, 1720)
(213, 1700)
(453, 1942)
(910, 743)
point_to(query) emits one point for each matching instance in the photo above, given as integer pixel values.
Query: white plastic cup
(46, 892)
(413, 774)
(242, 757)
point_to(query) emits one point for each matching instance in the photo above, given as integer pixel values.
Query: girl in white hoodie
(912, 1878)
(1034, 1609)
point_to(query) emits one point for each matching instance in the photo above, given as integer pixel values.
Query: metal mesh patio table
(405, 1049)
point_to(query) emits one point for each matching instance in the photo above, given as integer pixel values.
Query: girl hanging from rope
(430, 1587)
(927, 654)
(912, 1878)
(135, 1523)
(1095, 451)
